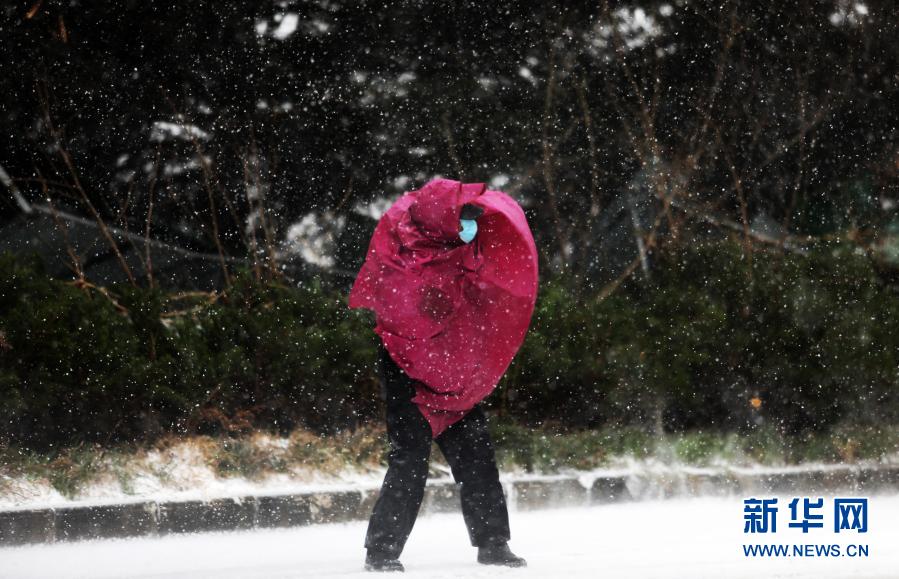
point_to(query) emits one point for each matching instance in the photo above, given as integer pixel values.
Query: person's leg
(469, 451)
(409, 435)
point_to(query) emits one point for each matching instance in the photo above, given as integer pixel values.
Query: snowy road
(695, 538)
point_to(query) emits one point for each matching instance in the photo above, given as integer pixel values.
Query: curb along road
(156, 518)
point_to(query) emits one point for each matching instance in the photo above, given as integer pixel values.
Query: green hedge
(75, 367)
(814, 338)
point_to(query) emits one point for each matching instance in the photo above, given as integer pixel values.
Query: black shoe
(499, 554)
(377, 561)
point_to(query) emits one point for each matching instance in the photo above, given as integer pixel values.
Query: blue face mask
(469, 229)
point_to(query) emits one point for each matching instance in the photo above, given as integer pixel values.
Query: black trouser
(468, 450)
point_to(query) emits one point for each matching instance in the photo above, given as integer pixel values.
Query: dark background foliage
(770, 112)
(712, 186)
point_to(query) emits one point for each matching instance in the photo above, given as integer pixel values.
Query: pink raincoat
(452, 315)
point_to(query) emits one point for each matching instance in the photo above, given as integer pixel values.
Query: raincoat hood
(451, 314)
(437, 208)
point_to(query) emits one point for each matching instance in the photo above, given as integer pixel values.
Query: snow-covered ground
(184, 471)
(181, 471)
(689, 538)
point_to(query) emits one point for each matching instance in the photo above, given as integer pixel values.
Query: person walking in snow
(451, 274)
